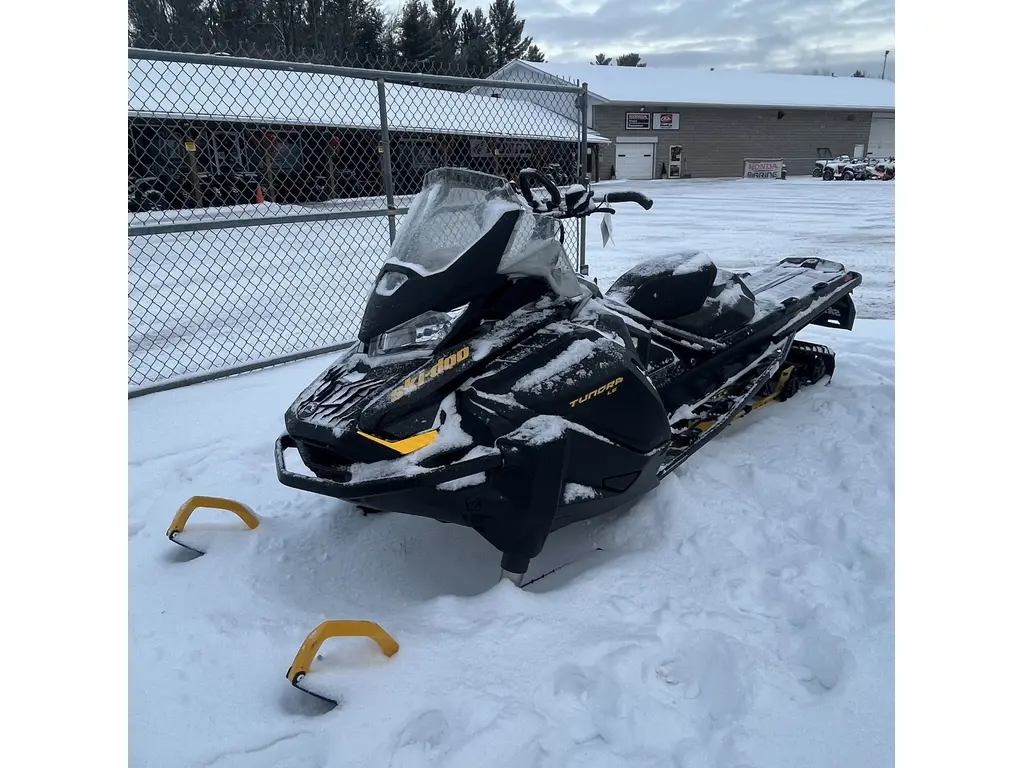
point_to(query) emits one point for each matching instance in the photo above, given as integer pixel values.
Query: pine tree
(475, 40)
(188, 21)
(629, 60)
(533, 53)
(416, 39)
(368, 35)
(507, 31)
(446, 35)
(148, 23)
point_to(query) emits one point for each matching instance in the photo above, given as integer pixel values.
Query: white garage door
(634, 161)
(883, 134)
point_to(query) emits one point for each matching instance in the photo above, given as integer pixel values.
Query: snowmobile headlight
(422, 332)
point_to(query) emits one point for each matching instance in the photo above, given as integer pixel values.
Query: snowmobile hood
(386, 397)
(466, 234)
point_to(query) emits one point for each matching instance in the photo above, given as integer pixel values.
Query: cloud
(765, 35)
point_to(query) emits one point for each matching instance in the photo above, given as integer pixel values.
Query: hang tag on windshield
(606, 229)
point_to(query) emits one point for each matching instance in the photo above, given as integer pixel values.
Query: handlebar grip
(630, 197)
(527, 174)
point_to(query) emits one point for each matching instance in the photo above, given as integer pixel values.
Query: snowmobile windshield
(456, 208)
(453, 211)
(464, 234)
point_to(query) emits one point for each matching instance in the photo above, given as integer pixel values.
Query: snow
(477, 478)
(171, 89)
(546, 429)
(685, 86)
(576, 492)
(739, 615)
(576, 352)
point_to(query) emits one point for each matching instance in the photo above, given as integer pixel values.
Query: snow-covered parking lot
(740, 616)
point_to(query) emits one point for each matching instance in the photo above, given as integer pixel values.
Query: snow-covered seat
(729, 305)
(668, 286)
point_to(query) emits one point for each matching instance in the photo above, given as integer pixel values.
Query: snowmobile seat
(729, 305)
(666, 287)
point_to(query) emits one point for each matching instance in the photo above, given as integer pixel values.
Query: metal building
(681, 123)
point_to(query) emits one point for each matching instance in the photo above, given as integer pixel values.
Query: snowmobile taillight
(338, 628)
(185, 511)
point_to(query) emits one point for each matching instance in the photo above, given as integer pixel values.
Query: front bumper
(379, 486)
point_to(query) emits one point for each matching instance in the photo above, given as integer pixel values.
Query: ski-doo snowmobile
(494, 387)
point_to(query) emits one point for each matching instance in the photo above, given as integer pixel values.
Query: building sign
(762, 169)
(666, 121)
(638, 121)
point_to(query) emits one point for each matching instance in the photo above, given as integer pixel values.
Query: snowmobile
(493, 387)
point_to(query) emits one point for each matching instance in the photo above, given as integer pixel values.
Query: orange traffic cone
(259, 194)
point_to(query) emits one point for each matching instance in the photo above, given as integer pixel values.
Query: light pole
(884, 62)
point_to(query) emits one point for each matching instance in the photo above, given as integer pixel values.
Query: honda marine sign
(763, 169)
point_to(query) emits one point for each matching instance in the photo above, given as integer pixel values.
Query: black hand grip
(630, 197)
(524, 185)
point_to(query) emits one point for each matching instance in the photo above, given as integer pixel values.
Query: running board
(675, 460)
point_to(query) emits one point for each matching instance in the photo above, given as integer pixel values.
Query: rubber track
(803, 355)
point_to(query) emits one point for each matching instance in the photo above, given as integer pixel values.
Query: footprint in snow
(421, 741)
(820, 662)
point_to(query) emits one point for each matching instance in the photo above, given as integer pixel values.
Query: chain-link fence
(263, 195)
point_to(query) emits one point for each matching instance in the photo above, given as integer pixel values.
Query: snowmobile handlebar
(630, 197)
(525, 177)
(577, 201)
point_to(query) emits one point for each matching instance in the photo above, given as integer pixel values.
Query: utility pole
(884, 62)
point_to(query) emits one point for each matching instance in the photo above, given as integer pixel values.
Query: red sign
(666, 121)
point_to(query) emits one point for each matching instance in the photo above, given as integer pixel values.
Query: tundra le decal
(604, 389)
(440, 366)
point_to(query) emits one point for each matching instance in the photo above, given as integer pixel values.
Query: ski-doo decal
(605, 389)
(407, 445)
(440, 366)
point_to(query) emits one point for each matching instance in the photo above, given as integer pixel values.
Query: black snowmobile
(495, 388)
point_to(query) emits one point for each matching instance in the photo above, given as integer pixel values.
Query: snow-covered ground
(202, 300)
(739, 616)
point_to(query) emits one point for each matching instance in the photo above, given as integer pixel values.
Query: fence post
(385, 158)
(583, 179)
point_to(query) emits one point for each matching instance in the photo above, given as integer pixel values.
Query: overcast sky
(766, 35)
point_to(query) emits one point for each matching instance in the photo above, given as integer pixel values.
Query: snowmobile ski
(300, 666)
(177, 526)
